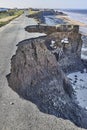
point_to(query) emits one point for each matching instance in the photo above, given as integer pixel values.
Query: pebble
(82, 72)
(11, 103)
(75, 81)
(76, 78)
(81, 79)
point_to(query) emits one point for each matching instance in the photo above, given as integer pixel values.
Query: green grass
(10, 13)
(31, 12)
(3, 23)
(13, 13)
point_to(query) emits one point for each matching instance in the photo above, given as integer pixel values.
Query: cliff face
(43, 28)
(34, 64)
(67, 54)
(36, 76)
(40, 14)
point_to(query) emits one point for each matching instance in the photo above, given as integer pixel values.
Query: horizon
(45, 8)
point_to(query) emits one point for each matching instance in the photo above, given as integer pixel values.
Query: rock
(81, 80)
(70, 60)
(37, 76)
(11, 103)
(75, 81)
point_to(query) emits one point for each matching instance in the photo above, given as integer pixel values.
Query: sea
(75, 14)
(78, 15)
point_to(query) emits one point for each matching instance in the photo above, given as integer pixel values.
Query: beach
(72, 21)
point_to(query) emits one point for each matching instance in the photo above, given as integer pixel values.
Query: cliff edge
(36, 75)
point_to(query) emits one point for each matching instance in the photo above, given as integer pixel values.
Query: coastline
(71, 21)
(27, 106)
(78, 79)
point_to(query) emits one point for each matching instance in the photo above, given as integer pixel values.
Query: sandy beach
(71, 21)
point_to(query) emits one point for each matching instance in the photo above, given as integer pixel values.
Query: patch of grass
(10, 13)
(32, 12)
(3, 23)
(7, 16)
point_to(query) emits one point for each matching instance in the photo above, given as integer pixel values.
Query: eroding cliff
(43, 28)
(68, 54)
(37, 76)
(40, 14)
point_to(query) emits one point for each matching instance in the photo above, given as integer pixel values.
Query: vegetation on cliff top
(7, 16)
(31, 12)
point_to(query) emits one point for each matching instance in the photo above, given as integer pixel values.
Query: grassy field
(7, 16)
(32, 12)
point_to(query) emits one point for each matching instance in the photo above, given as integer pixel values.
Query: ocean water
(80, 11)
(78, 15)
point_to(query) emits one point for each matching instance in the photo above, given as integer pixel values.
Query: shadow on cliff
(36, 76)
(52, 101)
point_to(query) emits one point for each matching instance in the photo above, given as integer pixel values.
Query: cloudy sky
(45, 3)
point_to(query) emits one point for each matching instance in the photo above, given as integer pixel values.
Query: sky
(76, 4)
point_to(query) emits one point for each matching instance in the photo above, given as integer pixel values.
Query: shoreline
(71, 21)
(16, 112)
(78, 79)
